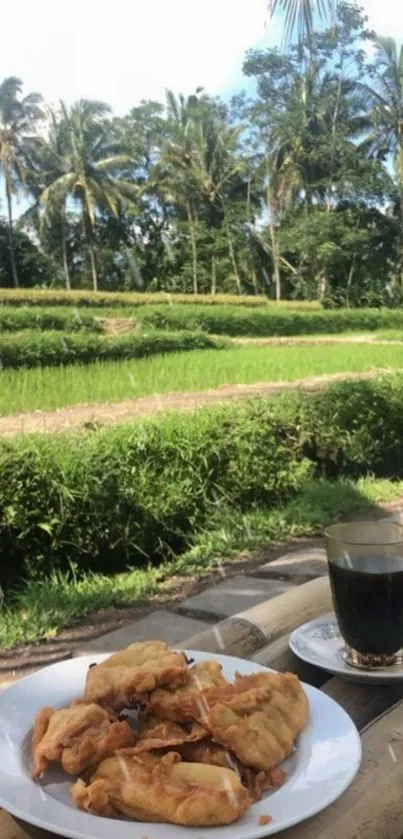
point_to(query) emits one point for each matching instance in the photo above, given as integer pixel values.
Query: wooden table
(372, 808)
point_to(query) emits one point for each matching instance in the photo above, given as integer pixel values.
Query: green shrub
(134, 494)
(224, 320)
(131, 495)
(27, 317)
(35, 349)
(43, 297)
(355, 427)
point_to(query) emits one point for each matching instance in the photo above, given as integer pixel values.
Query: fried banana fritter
(155, 789)
(76, 737)
(166, 735)
(128, 676)
(182, 705)
(205, 751)
(258, 718)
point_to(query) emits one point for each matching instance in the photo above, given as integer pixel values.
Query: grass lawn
(48, 388)
(43, 606)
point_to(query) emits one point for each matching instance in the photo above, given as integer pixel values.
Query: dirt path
(314, 339)
(87, 416)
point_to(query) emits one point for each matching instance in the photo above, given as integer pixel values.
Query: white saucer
(319, 642)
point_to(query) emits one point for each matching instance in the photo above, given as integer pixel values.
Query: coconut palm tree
(385, 103)
(18, 116)
(84, 169)
(201, 169)
(299, 15)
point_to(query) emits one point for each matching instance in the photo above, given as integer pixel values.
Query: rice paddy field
(47, 388)
(76, 354)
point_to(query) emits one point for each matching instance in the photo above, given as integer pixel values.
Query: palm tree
(174, 172)
(385, 100)
(83, 164)
(299, 15)
(202, 168)
(17, 118)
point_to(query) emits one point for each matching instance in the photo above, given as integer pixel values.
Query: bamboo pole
(246, 633)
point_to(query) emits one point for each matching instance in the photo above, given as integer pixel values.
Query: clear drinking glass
(366, 577)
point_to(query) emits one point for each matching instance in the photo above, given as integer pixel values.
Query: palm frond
(111, 163)
(299, 16)
(56, 193)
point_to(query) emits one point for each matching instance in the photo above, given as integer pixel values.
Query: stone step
(298, 566)
(157, 626)
(231, 596)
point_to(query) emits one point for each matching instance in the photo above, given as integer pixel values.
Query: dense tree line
(294, 191)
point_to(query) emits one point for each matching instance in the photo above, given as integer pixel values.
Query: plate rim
(381, 675)
(76, 832)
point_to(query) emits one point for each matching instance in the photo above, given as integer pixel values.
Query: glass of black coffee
(366, 577)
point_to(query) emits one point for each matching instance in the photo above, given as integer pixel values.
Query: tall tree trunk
(401, 229)
(322, 285)
(333, 146)
(349, 280)
(213, 276)
(233, 258)
(274, 245)
(93, 267)
(399, 167)
(64, 251)
(192, 232)
(11, 237)
(89, 235)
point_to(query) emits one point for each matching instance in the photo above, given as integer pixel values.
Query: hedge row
(133, 494)
(51, 349)
(27, 317)
(131, 298)
(224, 320)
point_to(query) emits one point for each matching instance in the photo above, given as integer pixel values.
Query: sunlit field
(48, 388)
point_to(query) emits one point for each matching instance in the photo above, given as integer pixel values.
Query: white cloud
(385, 17)
(125, 50)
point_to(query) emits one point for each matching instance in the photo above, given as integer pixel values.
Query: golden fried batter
(205, 751)
(127, 676)
(182, 705)
(155, 789)
(258, 718)
(165, 735)
(76, 737)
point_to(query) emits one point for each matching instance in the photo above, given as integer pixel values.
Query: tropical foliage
(293, 189)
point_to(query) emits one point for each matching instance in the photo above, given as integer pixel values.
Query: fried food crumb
(264, 820)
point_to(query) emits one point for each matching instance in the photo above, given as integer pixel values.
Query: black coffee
(368, 600)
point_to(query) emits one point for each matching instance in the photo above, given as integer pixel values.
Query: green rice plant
(48, 388)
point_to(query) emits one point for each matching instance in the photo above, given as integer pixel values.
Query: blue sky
(79, 50)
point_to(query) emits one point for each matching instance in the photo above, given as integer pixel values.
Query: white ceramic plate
(326, 760)
(319, 642)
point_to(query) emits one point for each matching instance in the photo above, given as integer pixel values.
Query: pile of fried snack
(203, 752)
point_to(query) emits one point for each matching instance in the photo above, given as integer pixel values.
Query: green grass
(44, 606)
(389, 334)
(49, 388)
